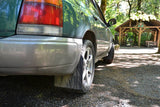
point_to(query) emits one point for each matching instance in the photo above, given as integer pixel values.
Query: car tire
(81, 80)
(86, 67)
(109, 59)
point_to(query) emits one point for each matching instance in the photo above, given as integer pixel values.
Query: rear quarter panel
(9, 11)
(75, 18)
(78, 18)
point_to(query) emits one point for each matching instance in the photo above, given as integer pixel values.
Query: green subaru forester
(63, 38)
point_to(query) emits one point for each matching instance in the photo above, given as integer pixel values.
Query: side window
(92, 7)
(100, 12)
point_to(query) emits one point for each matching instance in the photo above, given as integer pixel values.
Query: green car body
(47, 54)
(9, 11)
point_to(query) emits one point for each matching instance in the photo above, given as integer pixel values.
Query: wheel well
(91, 36)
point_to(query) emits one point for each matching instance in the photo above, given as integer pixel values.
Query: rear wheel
(88, 65)
(82, 78)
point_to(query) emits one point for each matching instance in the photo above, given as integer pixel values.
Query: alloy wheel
(88, 71)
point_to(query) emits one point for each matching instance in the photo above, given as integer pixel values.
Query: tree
(130, 7)
(103, 6)
(139, 5)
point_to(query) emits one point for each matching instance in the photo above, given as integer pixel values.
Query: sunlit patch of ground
(136, 60)
(136, 50)
(136, 57)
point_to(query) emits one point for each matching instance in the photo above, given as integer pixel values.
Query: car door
(100, 28)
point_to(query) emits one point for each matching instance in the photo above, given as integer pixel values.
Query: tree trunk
(103, 6)
(139, 4)
(156, 12)
(130, 8)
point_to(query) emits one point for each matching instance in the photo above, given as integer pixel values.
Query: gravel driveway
(132, 80)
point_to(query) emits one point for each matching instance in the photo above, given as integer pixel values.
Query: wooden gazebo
(138, 27)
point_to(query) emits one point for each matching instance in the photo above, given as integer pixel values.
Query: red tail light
(41, 12)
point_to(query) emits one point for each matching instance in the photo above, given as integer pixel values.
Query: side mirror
(112, 22)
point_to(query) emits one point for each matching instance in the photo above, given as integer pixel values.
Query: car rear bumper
(38, 55)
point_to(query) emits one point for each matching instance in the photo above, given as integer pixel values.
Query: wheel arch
(89, 35)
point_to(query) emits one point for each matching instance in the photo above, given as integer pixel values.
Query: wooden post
(158, 44)
(139, 36)
(122, 38)
(120, 32)
(158, 38)
(130, 23)
(155, 36)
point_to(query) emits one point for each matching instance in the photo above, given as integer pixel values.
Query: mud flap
(73, 81)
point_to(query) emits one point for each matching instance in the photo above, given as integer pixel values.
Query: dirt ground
(132, 80)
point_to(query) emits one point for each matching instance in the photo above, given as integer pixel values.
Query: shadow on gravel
(31, 91)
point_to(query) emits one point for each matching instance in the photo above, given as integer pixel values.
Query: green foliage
(123, 10)
(144, 9)
(145, 37)
(130, 38)
(112, 28)
(113, 11)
